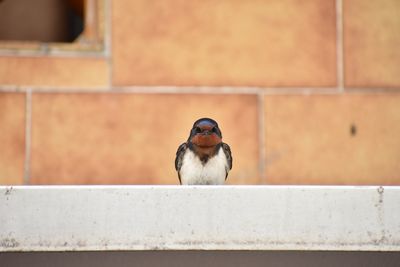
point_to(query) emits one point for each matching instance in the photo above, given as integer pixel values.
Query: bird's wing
(179, 158)
(228, 154)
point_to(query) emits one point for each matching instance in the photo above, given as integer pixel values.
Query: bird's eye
(214, 130)
(197, 130)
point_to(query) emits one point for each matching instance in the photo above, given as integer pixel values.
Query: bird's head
(205, 133)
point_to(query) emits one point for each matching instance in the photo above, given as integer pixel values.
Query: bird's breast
(194, 171)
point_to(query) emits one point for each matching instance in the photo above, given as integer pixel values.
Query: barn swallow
(204, 159)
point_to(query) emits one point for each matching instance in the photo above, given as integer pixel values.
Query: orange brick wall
(305, 93)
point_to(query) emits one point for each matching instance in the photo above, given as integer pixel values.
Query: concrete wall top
(102, 218)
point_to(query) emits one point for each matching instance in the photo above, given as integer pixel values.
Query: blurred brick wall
(305, 92)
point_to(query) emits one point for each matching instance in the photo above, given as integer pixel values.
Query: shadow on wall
(41, 20)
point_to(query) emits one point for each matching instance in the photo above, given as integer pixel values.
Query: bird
(203, 159)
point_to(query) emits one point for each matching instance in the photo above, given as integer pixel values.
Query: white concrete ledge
(85, 218)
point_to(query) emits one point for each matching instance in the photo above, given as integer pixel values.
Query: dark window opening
(41, 20)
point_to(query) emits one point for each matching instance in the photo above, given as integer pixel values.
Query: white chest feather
(193, 172)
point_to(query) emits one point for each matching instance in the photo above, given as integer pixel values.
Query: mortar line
(108, 40)
(51, 53)
(178, 90)
(339, 46)
(28, 136)
(261, 138)
(213, 90)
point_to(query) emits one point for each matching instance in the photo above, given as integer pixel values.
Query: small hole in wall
(353, 130)
(41, 20)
